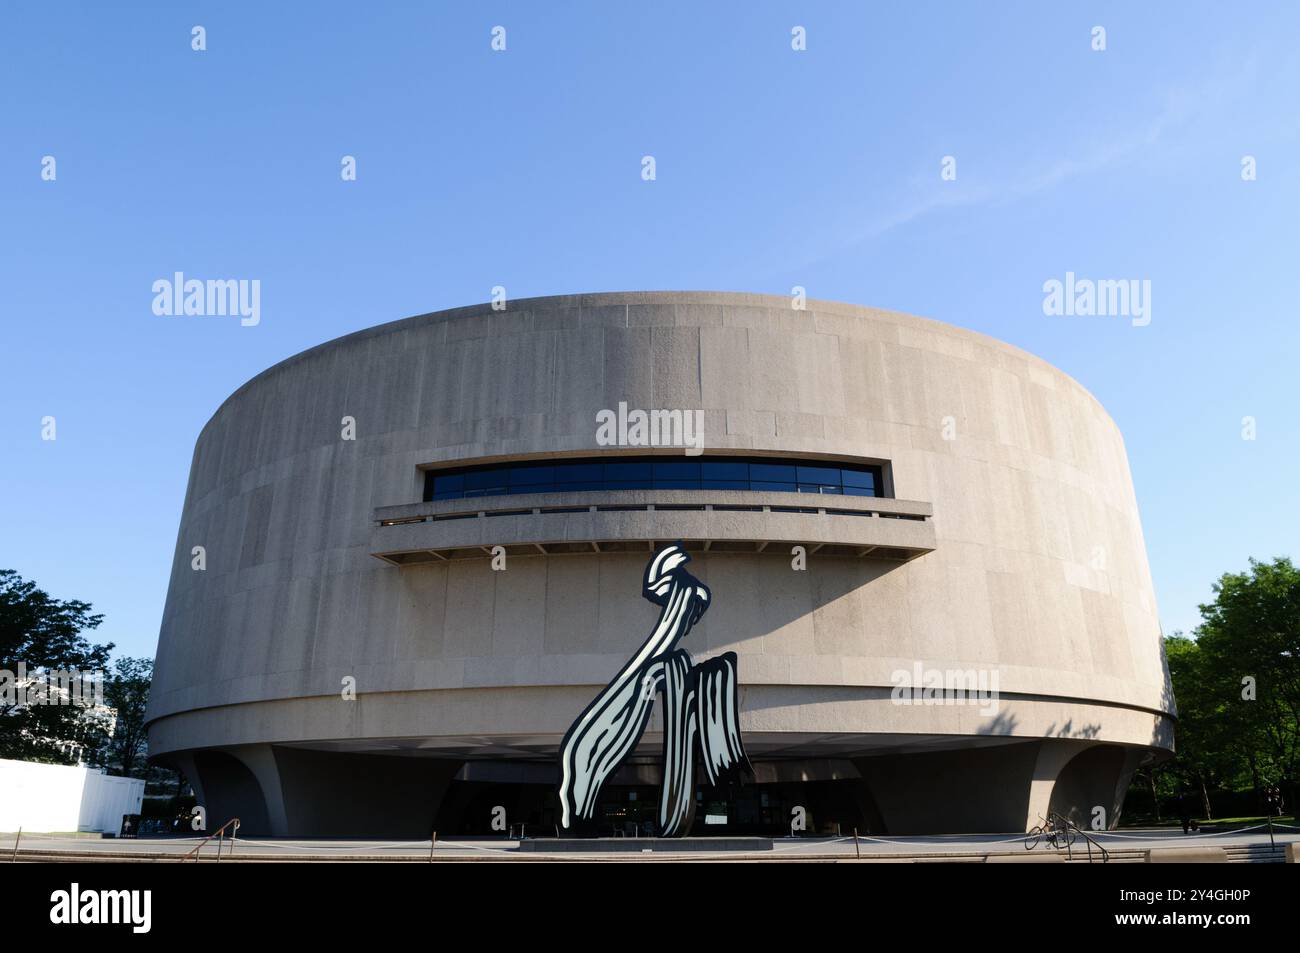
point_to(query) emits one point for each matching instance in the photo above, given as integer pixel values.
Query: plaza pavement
(1123, 845)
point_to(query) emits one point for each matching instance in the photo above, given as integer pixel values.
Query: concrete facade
(1009, 545)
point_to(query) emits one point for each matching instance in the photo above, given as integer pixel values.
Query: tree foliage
(127, 691)
(41, 635)
(1237, 686)
(1249, 644)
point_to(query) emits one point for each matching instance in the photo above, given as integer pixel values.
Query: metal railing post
(1064, 822)
(219, 834)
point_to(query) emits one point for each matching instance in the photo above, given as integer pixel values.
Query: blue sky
(775, 168)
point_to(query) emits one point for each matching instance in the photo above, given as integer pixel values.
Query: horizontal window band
(757, 474)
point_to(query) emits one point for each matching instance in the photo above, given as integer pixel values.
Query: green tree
(43, 635)
(1209, 754)
(1250, 646)
(127, 691)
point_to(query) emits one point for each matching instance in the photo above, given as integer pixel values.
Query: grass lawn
(1175, 822)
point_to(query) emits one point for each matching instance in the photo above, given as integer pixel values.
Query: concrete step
(1257, 854)
(1120, 855)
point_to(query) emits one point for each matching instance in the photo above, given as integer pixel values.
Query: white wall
(55, 797)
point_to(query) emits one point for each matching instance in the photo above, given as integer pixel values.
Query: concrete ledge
(1187, 855)
(637, 845)
(639, 520)
(1293, 852)
(748, 498)
(1027, 857)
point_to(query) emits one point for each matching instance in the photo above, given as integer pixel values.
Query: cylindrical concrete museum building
(422, 551)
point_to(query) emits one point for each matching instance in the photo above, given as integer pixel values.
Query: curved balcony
(639, 520)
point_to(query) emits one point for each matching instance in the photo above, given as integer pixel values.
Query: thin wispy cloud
(1183, 106)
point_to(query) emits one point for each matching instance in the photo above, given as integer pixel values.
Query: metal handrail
(1068, 825)
(220, 835)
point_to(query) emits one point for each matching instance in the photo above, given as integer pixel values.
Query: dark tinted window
(579, 473)
(628, 472)
(826, 475)
(674, 470)
(771, 473)
(477, 480)
(772, 487)
(861, 478)
(763, 474)
(726, 485)
(720, 470)
(523, 476)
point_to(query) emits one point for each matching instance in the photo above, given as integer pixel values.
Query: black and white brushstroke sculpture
(701, 704)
